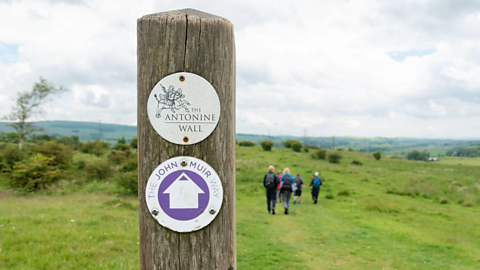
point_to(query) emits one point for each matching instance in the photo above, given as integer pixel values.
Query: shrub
(118, 157)
(377, 155)
(71, 141)
(296, 146)
(443, 201)
(320, 154)
(306, 150)
(417, 155)
(288, 143)
(96, 148)
(329, 197)
(34, 174)
(340, 149)
(334, 157)
(98, 169)
(11, 155)
(350, 149)
(61, 154)
(134, 143)
(246, 143)
(130, 165)
(267, 145)
(121, 147)
(356, 162)
(122, 140)
(345, 193)
(129, 182)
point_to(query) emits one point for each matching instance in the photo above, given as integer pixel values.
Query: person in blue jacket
(287, 186)
(270, 182)
(315, 184)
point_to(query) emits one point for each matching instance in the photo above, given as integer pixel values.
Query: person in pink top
(278, 187)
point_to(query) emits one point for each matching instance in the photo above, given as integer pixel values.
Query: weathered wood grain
(200, 43)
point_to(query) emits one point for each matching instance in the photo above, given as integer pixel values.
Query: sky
(370, 68)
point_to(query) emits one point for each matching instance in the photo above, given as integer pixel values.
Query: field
(386, 214)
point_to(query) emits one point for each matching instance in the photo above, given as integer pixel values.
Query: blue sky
(404, 68)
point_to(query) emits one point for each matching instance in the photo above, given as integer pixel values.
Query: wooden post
(190, 41)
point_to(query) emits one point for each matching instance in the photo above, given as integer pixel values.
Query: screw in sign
(184, 194)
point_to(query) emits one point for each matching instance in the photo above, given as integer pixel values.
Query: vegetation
(418, 155)
(394, 214)
(246, 143)
(296, 146)
(29, 104)
(334, 157)
(289, 143)
(377, 155)
(320, 154)
(266, 145)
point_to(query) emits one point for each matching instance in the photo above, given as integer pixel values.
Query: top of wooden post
(188, 12)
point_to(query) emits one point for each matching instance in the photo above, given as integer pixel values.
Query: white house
(183, 193)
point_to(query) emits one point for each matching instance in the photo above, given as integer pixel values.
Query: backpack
(316, 182)
(270, 181)
(287, 182)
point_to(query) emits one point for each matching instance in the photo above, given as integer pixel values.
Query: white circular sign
(184, 194)
(183, 108)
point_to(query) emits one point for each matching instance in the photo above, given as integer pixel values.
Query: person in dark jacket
(298, 193)
(270, 182)
(315, 184)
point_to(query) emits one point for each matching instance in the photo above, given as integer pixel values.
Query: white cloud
(323, 66)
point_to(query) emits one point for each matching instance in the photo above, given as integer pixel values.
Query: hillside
(386, 214)
(89, 131)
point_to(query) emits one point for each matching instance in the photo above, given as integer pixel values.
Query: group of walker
(281, 186)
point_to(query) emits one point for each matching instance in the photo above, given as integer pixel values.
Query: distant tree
(267, 145)
(122, 140)
(133, 143)
(350, 149)
(449, 153)
(288, 143)
(377, 155)
(320, 154)
(296, 146)
(246, 143)
(417, 155)
(27, 105)
(334, 157)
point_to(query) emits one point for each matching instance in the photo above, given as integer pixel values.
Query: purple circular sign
(183, 195)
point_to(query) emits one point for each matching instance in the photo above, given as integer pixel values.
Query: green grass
(391, 219)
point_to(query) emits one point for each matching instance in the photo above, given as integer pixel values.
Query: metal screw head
(212, 211)
(155, 212)
(183, 162)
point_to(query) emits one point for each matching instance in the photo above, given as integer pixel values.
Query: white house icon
(183, 193)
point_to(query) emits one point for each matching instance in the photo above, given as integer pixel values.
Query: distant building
(433, 159)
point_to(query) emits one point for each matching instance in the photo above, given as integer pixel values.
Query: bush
(121, 147)
(350, 149)
(306, 150)
(98, 169)
(296, 146)
(61, 154)
(34, 174)
(356, 162)
(96, 148)
(320, 154)
(345, 193)
(417, 155)
(340, 149)
(70, 141)
(288, 143)
(246, 143)
(11, 155)
(267, 145)
(329, 197)
(129, 182)
(134, 143)
(122, 140)
(377, 155)
(334, 157)
(130, 165)
(118, 157)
